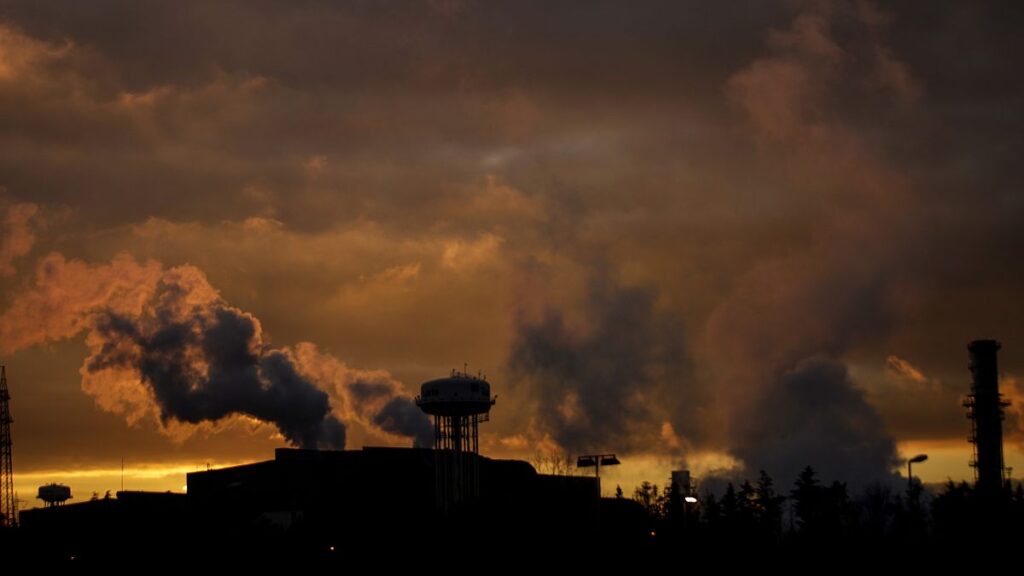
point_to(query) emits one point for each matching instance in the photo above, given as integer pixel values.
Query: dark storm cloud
(405, 100)
(206, 105)
(412, 44)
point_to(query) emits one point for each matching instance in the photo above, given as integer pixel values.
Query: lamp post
(687, 500)
(915, 460)
(596, 461)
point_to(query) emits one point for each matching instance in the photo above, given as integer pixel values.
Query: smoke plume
(770, 375)
(164, 343)
(775, 344)
(611, 383)
(815, 416)
(370, 397)
(203, 360)
(402, 417)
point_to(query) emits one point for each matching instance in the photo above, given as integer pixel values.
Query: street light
(915, 460)
(687, 500)
(596, 461)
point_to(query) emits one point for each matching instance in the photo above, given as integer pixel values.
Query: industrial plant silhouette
(447, 501)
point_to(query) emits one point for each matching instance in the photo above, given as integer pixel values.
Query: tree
(955, 513)
(839, 514)
(879, 510)
(711, 512)
(806, 500)
(729, 513)
(913, 519)
(652, 500)
(554, 462)
(744, 521)
(768, 508)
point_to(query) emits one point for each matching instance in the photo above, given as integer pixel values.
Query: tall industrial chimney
(985, 410)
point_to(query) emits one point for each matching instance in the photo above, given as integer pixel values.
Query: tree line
(815, 514)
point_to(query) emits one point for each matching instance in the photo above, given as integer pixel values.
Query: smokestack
(985, 410)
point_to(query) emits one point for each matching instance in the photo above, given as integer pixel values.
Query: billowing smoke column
(814, 415)
(204, 360)
(614, 383)
(399, 415)
(770, 384)
(164, 343)
(771, 394)
(775, 345)
(370, 397)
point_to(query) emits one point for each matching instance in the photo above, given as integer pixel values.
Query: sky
(735, 237)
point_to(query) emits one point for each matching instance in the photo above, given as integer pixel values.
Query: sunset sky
(724, 237)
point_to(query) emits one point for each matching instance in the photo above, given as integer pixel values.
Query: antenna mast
(8, 501)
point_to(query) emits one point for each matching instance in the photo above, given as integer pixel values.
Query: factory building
(345, 499)
(331, 504)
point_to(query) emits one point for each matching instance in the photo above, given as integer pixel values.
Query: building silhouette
(315, 502)
(345, 502)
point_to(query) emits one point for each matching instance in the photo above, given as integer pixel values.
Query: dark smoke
(401, 416)
(205, 360)
(774, 344)
(814, 415)
(610, 386)
(379, 401)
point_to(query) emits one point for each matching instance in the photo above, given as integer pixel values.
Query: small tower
(985, 410)
(8, 501)
(458, 404)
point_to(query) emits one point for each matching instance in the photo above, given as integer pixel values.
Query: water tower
(458, 404)
(54, 494)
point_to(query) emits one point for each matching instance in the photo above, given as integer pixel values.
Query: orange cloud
(1013, 391)
(20, 54)
(18, 235)
(358, 396)
(66, 293)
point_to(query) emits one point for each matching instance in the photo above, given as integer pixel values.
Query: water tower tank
(54, 494)
(457, 395)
